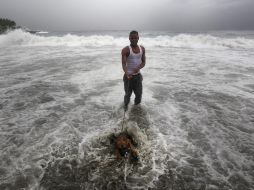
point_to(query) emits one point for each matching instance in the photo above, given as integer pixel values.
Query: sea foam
(195, 41)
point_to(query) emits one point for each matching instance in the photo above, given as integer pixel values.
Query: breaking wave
(20, 37)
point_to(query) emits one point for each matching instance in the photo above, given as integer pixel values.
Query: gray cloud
(142, 14)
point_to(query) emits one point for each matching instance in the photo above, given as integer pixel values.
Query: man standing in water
(133, 59)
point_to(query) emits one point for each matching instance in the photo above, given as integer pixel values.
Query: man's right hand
(129, 77)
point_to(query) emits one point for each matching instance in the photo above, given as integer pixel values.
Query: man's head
(133, 37)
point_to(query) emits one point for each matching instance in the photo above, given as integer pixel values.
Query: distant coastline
(6, 24)
(9, 25)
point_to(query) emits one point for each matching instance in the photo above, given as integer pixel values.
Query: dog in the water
(124, 146)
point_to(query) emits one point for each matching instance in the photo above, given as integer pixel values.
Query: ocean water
(61, 98)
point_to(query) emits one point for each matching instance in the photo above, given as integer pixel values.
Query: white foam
(42, 32)
(198, 41)
(20, 37)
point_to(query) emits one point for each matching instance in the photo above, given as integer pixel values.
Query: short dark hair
(133, 32)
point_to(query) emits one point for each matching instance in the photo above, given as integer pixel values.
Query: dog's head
(123, 145)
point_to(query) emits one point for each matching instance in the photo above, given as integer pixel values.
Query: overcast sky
(176, 15)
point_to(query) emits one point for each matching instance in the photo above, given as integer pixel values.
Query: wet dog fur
(124, 145)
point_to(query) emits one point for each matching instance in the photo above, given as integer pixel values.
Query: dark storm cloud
(138, 14)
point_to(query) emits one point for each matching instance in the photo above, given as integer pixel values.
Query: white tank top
(134, 60)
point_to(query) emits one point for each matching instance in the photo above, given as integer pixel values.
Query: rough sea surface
(61, 98)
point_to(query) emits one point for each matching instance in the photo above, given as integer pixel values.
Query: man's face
(134, 39)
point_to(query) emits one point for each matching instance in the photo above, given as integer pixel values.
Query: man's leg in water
(137, 88)
(128, 91)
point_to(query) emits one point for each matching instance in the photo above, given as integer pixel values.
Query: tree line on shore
(6, 24)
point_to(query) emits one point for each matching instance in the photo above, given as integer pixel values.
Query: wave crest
(20, 37)
(200, 41)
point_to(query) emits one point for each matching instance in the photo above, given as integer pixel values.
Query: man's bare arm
(143, 58)
(124, 60)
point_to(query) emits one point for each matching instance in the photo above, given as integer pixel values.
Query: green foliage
(6, 24)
